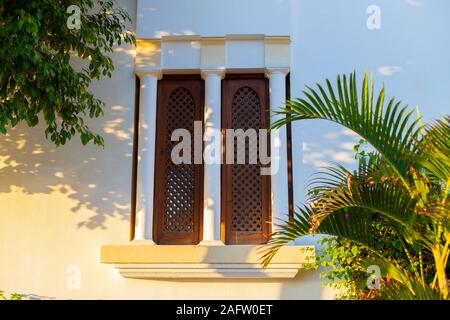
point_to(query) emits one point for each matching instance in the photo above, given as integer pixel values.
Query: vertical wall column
(212, 156)
(146, 154)
(278, 147)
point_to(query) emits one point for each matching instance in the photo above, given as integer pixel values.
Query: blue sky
(410, 53)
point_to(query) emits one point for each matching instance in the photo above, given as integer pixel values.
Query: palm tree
(406, 187)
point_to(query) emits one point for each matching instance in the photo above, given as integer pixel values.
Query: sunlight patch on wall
(113, 127)
(5, 162)
(20, 143)
(59, 174)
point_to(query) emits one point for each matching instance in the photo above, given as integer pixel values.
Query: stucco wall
(58, 206)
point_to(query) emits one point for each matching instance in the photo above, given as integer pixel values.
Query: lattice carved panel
(179, 184)
(246, 179)
(245, 192)
(178, 198)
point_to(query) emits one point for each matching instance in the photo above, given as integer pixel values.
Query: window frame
(166, 86)
(261, 87)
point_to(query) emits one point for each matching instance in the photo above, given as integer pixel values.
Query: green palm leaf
(434, 149)
(336, 189)
(403, 189)
(389, 129)
(354, 225)
(413, 291)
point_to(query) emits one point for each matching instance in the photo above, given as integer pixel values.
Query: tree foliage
(36, 76)
(401, 192)
(13, 296)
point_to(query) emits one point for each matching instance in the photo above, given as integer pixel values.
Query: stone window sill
(147, 261)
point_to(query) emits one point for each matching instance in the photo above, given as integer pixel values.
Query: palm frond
(413, 291)
(434, 149)
(336, 190)
(355, 225)
(389, 129)
(403, 189)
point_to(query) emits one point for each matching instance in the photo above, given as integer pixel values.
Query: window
(170, 198)
(245, 192)
(178, 201)
(178, 187)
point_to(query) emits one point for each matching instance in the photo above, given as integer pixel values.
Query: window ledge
(146, 261)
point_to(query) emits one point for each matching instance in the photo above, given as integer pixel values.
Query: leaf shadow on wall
(96, 180)
(89, 175)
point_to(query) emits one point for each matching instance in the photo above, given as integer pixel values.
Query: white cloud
(331, 135)
(348, 132)
(161, 33)
(387, 71)
(414, 3)
(346, 157)
(347, 145)
(307, 146)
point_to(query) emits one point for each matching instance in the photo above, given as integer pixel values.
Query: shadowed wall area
(59, 205)
(87, 176)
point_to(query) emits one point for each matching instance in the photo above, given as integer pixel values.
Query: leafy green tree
(38, 38)
(344, 261)
(400, 197)
(13, 296)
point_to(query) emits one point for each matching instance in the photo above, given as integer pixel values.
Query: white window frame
(212, 57)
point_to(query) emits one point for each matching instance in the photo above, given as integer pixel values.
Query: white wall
(59, 205)
(408, 54)
(212, 17)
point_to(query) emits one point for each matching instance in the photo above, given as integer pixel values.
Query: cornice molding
(181, 38)
(211, 53)
(277, 39)
(219, 71)
(143, 71)
(234, 37)
(269, 71)
(267, 39)
(141, 261)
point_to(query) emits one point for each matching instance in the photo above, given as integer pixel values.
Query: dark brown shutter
(178, 187)
(245, 192)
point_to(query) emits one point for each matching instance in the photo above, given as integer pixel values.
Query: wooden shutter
(245, 192)
(178, 187)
